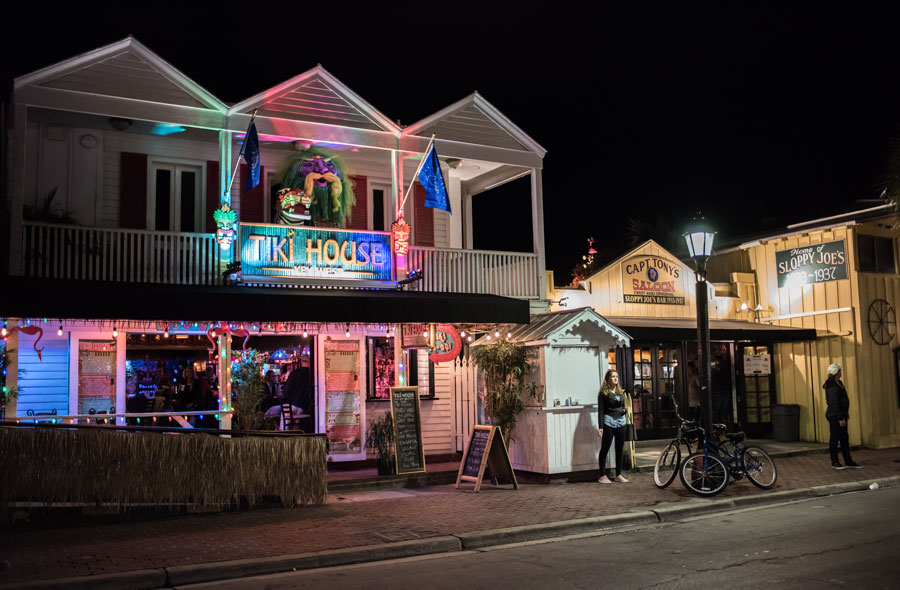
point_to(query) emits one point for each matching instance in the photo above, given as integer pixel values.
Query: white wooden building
(138, 156)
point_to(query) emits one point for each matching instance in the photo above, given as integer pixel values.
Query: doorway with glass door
(656, 373)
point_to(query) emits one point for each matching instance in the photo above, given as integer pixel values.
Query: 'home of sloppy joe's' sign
(652, 279)
(816, 263)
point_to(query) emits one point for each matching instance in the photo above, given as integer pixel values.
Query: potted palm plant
(381, 439)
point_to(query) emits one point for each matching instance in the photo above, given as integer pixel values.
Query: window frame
(176, 166)
(876, 268)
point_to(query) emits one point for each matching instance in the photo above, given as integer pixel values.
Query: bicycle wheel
(667, 463)
(705, 475)
(759, 467)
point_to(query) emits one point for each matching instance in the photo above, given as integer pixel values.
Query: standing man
(837, 413)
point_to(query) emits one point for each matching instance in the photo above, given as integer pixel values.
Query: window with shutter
(359, 218)
(253, 200)
(424, 218)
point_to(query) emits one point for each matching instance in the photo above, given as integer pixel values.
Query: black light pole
(700, 244)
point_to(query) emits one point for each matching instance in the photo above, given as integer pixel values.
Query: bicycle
(751, 462)
(706, 472)
(669, 459)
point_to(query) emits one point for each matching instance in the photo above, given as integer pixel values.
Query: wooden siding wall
(606, 291)
(437, 418)
(800, 367)
(465, 394)
(44, 385)
(56, 159)
(877, 373)
(157, 147)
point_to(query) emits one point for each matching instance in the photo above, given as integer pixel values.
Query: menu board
(486, 449)
(408, 429)
(342, 409)
(478, 444)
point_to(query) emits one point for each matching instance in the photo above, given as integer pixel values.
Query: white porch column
(225, 382)
(224, 163)
(466, 221)
(454, 186)
(17, 190)
(537, 228)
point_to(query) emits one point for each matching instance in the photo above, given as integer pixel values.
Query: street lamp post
(700, 244)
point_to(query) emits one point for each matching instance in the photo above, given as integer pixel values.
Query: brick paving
(349, 520)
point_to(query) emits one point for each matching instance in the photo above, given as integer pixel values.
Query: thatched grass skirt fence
(54, 465)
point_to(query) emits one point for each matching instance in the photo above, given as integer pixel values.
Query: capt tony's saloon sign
(816, 263)
(652, 279)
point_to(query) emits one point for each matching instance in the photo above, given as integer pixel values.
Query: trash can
(786, 422)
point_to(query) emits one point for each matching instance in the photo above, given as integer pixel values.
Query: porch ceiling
(36, 298)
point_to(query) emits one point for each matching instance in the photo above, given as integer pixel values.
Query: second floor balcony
(138, 163)
(55, 251)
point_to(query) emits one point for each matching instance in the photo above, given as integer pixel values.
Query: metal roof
(545, 325)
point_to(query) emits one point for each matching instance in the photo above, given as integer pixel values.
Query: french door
(175, 199)
(656, 373)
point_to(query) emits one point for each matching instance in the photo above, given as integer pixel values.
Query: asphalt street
(848, 540)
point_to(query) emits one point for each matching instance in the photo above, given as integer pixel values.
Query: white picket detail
(111, 254)
(509, 274)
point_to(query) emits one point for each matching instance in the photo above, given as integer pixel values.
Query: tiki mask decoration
(225, 219)
(317, 187)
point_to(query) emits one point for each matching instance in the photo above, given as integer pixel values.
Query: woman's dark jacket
(837, 400)
(607, 405)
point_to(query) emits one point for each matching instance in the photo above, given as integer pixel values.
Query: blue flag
(251, 156)
(432, 180)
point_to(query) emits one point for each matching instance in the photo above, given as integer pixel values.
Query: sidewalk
(364, 526)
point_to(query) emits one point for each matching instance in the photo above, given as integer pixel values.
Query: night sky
(758, 115)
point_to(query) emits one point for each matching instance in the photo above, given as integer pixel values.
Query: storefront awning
(686, 329)
(87, 300)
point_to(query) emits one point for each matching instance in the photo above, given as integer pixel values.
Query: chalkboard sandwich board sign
(486, 448)
(407, 416)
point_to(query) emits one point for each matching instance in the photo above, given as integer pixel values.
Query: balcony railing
(112, 254)
(510, 274)
(100, 254)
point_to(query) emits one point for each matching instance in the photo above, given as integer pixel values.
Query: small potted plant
(381, 439)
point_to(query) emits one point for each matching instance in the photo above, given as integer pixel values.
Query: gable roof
(633, 252)
(125, 69)
(316, 96)
(476, 121)
(546, 327)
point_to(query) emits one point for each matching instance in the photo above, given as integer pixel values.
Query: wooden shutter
(359, 218)
(424, 218)
(253, 201)
(212, 194)
(133, 191)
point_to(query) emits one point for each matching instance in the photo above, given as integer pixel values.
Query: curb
(562, 528)
(136, 580)
(228, 570)
(242, 568)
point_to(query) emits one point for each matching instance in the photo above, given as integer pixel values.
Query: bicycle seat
(735, 437)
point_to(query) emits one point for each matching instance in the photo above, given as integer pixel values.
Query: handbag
(630, 434)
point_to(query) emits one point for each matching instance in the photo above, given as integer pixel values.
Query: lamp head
(699, 238)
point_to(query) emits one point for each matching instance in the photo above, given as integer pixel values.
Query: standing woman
(611, 420)
(837, 413)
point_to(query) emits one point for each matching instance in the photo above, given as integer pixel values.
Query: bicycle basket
(692, 434)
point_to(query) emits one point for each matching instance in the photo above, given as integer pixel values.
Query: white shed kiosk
(570, 354)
